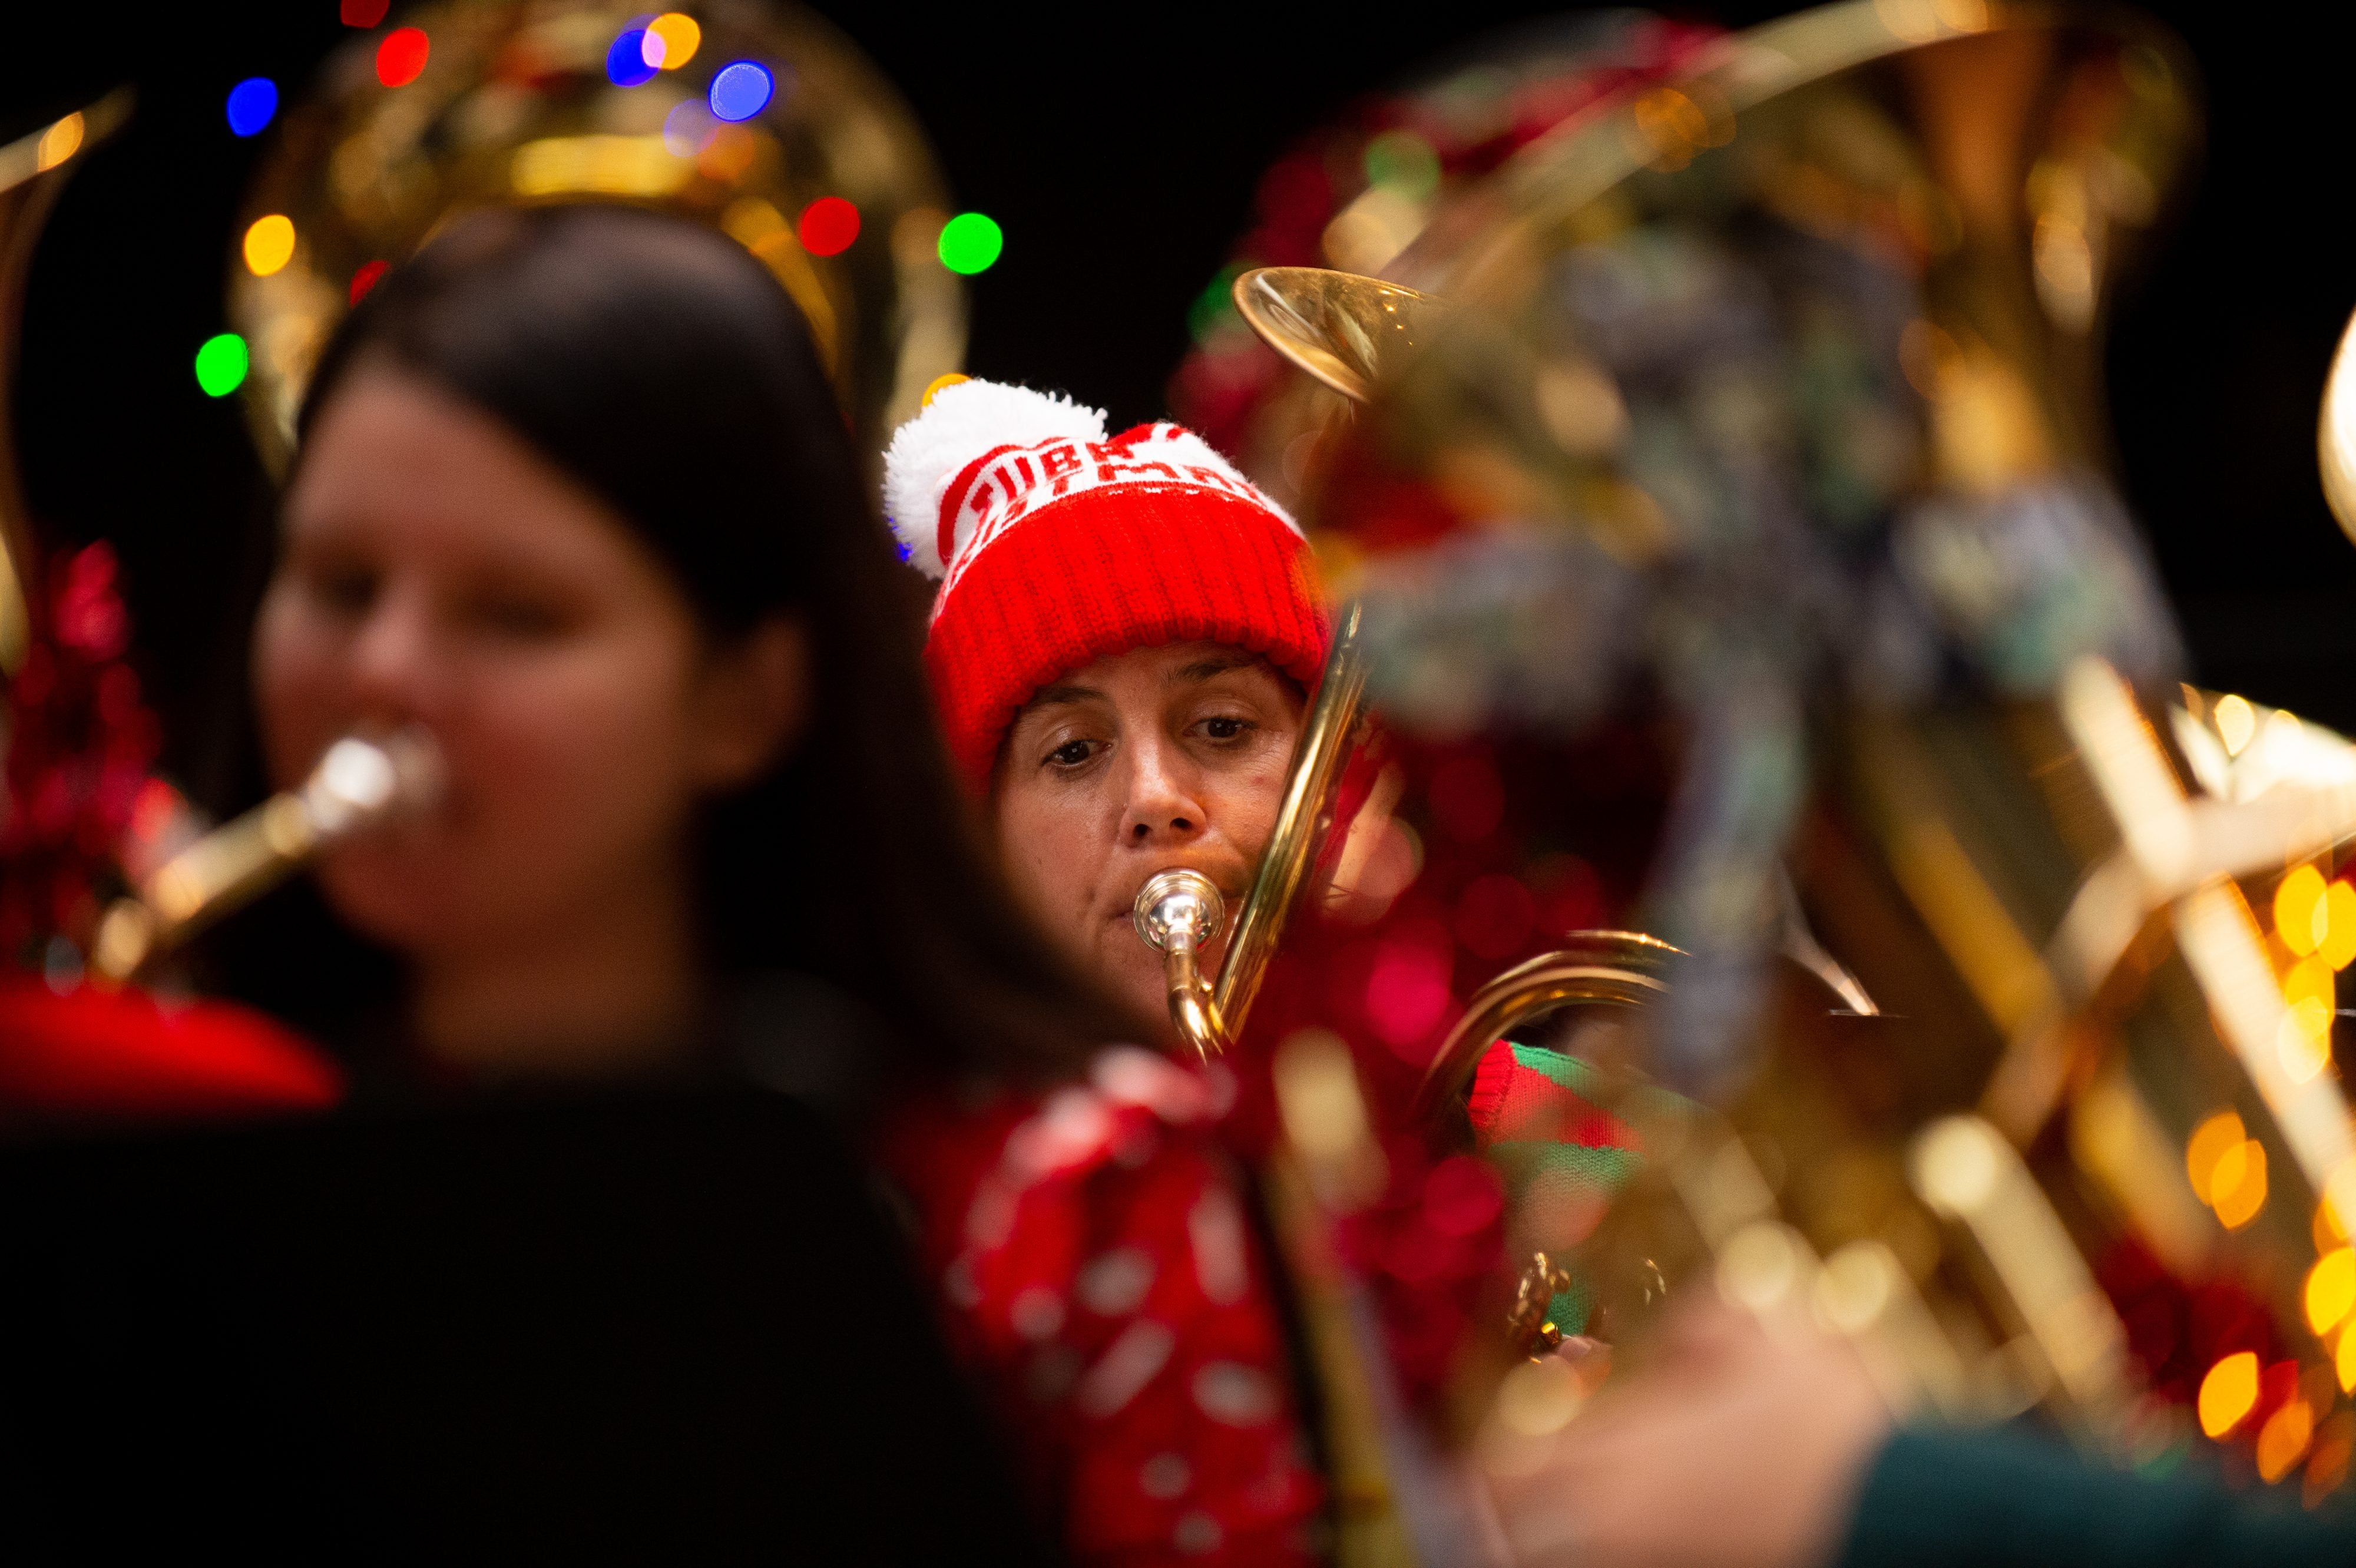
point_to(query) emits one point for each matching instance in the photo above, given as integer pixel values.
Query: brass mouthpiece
(359, 784)
(1177, 913)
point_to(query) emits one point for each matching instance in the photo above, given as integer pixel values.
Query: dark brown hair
(662, 366)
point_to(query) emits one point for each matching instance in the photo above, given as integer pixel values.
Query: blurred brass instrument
(520, 104)
(1760, 408)
(360, 784)
(33, 170)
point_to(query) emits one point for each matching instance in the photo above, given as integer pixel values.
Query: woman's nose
(1164, 805)
(391, 660)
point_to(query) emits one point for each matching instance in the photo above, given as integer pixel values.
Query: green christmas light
(971, 242)
(1405, 162)
(221, 364)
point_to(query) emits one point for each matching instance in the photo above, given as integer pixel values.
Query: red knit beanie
(1057, 547)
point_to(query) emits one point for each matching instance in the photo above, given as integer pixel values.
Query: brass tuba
(33, 170)
(1748, 431)
(521, 103)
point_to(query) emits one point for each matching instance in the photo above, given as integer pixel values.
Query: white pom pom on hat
(962, 422)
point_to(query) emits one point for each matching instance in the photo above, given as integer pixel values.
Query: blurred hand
(1736, 1447)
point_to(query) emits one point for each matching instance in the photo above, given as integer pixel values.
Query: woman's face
(1154, 758)
(436, 570)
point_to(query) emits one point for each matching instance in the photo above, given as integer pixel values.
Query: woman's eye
(1226, 727)
(1071, 753)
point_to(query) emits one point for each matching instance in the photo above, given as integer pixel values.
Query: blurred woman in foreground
(574, 496)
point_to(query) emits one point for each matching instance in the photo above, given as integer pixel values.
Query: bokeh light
(1407, 989)
(2337, 923)
(2237, 722)
(1405, 162)
(221, 364)
(2330, 1290)
(672, 39)
(2295, 902)
(252, 104)
(2310, 979)
(727, 154)
(971, 243)
(2303, 1039)
(2344, 1363)
(2237, 1188)
(2228, 1393)
(363, 13)
(269, 244)
(1461, 1196)
(2284, 1439)
(370, 273)
(2207, 1145)
(401, 58)
(625, 63)
(688, 127)
(828, 226)
(741, 90)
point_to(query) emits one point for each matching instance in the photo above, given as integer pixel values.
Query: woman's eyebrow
(1203, 669)
(1054, 696)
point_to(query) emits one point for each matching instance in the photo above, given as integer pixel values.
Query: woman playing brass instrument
(1120, 648)
(573, 497)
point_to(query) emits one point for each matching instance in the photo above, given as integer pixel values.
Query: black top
(672, 1318)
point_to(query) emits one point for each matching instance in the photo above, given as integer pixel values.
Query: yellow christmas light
(269, 244)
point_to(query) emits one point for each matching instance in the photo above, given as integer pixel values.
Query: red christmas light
(402, 56)
(829, 225)
(363, 13)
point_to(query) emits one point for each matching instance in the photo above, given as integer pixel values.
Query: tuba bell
(1733, 559)
(525, 105)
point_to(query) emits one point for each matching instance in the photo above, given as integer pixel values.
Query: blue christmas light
(252, 105)
(626, 62)
(741, 91)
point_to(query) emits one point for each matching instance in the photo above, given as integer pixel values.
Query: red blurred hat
(1056, 546)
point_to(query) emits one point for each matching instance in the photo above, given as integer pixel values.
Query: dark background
(1119, 153)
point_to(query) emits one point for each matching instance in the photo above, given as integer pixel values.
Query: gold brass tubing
(222, 872)
(1302, 823)
(1969, 1173)
(1610, 968)
(1176, 913)
(1192, 1007)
